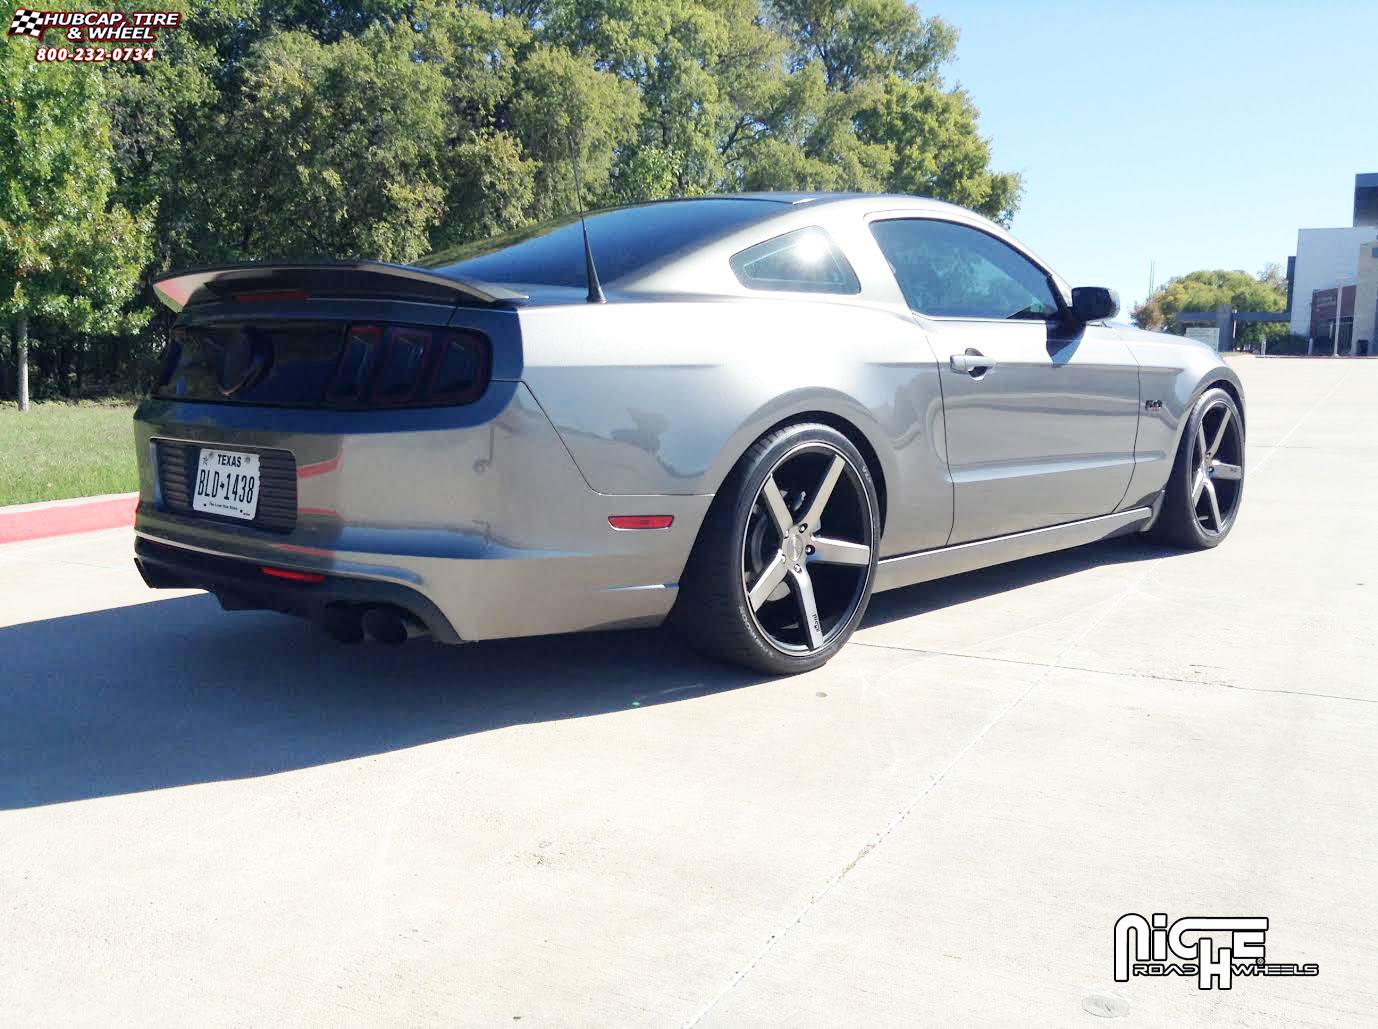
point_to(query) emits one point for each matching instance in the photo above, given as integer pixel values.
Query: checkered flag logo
(26, 23)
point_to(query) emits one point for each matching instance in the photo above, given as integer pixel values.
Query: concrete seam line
(904, 812)
(1305, 415)
(1327, 449)
(967, 655)
(1213, 683)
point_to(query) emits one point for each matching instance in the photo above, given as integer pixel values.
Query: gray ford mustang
(743, 415)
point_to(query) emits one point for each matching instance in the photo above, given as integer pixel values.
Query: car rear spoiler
(268, 281)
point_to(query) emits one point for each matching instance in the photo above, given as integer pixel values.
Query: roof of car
(664, 256)
(790, 198)
(825, 197)
(898, 201)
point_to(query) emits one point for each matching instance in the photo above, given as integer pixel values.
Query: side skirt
(907, 569)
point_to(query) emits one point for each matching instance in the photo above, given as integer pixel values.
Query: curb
(61, 517)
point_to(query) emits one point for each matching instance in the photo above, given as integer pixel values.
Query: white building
(1342, 266)
(1326, 258)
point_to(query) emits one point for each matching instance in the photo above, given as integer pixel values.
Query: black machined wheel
(783, 568)
(1207, 484)
(803, 584)
(1217, 462)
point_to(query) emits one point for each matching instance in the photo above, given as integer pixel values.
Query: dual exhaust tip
(381, 623)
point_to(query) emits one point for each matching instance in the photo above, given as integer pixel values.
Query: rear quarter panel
(664, 396)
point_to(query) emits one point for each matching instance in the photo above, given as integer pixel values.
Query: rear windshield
(625, 240)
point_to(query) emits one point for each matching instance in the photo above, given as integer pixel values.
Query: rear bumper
(480, 517)
(241, 585)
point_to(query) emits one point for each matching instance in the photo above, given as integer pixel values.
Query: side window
(804, 260)
(954, 271)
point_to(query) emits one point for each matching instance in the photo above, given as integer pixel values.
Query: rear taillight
(404, 365)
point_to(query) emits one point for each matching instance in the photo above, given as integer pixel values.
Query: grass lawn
(60, 450)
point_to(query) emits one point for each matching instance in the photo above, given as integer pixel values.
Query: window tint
(624, 240)
(802, 260)
(954, 271)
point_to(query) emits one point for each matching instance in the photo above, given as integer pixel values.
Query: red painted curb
(35, 521)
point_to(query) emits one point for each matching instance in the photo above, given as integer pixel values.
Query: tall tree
(66, 251)
(562, 102)
(332, 151)
(699, 67)
(488, 176)
(858, 41)
(385, 128)
(936, 150)
(864, 107)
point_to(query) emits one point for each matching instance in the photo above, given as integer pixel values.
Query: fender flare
(832, 407)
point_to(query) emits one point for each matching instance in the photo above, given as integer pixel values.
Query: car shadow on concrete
(894, 605)
(175, 692)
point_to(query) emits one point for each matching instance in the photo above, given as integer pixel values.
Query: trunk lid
(350, 279)
(357, 335)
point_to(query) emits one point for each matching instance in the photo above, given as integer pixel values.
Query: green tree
(699, 68)
(783, 94)
(333, 151)
(807, 140)
(881, 116)
(561, 101)
(385, 128)
(860, 41)
(68, 255)
(488, 177)
(164, 117)
(936, 150)
(1273, 276)
(1206, 290)
(332, 21)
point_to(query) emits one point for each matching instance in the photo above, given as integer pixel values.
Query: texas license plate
(226, 484)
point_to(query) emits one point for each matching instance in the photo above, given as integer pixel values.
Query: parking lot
(228, 819)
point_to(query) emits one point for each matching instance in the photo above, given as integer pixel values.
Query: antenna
(595, 287)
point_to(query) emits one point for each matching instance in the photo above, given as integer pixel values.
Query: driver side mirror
(1094, 303)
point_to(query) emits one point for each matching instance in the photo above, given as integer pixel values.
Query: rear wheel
(1207, 484)
(782, 570)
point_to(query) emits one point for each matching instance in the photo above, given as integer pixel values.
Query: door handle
(973, 362)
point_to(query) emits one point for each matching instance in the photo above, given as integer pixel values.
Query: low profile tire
(782, 570)
(1207, 484)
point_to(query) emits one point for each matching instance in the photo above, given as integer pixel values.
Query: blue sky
(1199, 135)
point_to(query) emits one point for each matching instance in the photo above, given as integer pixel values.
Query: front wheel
(1207, 484)
(781, 573)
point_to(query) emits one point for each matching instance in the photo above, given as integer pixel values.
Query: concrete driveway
(229, 820)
